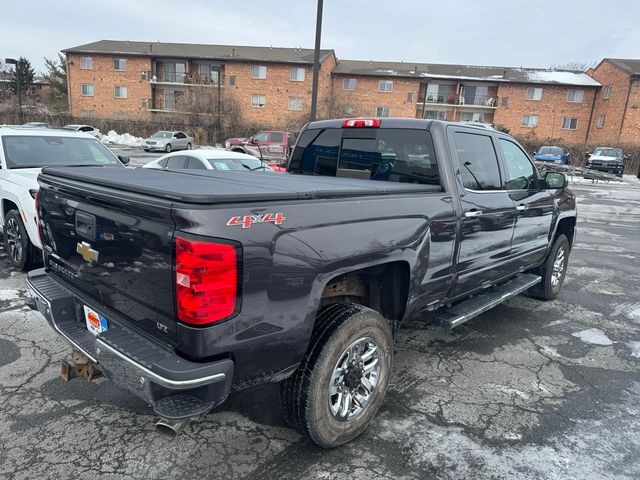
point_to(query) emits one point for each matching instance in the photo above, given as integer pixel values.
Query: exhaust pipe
(170, 427)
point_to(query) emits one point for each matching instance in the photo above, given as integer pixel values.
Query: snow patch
(9, 294)
(594, 336)
(635, 348)
(125, 139)
(634, 314)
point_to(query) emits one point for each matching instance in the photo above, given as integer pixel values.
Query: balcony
(182, 78)
(471, 101)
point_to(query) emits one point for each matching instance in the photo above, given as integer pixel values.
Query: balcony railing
(489, 101)
(182, 78)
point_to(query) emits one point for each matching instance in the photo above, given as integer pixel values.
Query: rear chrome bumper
(134, 362)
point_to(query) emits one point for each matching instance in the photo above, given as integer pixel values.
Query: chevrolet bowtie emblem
(88, 253)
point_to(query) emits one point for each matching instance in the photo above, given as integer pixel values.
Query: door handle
(473, 213)
(521, 207)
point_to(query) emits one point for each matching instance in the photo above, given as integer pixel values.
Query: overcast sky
(537, 33)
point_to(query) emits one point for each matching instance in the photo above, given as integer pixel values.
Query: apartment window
(409, 96)
(534, 93)
(435, 114)
(296, 74)
(575, 96)
(472, 117)
(296, 103)
(530, 121)
(569, 123)
(258, 101)
(504, 102)
(232, 79)
(606, 93)
(87, 89)
(86, 63)
(382, 112)
(349, 83)
(385, 86)
(601, 120)
(259, 71)
(120, 64)
(437, 93)
(120, 92)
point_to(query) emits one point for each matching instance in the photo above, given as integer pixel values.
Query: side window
(181, 135)
(195, 164)
(478, 161)
(177, 161)
(261, 137)
(277, 137)
(519, 169)
(163, 163)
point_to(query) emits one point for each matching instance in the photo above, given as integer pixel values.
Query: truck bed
(209, 186)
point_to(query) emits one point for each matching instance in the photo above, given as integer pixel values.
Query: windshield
(245, 164)
(162, 135)
(556, 151)
(44, 151)
(607, 152)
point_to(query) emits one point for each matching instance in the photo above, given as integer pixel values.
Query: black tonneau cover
(210, 186)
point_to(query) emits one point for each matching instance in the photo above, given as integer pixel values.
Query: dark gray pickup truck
(183, 286)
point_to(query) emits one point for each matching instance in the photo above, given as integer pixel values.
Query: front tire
(168, 148)
(189, 147)
(20, 251)
(343, 379)
(553, 270)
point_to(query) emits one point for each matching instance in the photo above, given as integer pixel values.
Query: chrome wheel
(558, 268)
(354, 379)
(14, 240)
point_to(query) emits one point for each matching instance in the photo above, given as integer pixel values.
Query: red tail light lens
(361, 122)
(206, 281)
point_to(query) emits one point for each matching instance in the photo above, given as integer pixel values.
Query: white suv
(23, 153)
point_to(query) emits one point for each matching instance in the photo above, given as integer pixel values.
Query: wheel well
(238, 149)
(8, 205)
(566, 227)
(384, 288)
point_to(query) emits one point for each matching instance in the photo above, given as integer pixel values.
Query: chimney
(504, 74)
(415, 69)
(150, 47)
(233, 52)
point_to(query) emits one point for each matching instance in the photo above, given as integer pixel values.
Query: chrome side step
(480, 303)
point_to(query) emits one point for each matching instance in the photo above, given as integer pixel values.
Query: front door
(533, 203)
(488, 213)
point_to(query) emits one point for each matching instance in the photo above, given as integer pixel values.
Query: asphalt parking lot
(529, 390)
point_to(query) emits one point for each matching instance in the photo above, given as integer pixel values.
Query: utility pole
(13, 61)
(316, 64)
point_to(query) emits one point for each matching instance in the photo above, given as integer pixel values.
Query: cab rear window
(393, 155)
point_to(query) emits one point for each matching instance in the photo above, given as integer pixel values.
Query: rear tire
(553, 270)
(344, 376)
(189, 146)
(21, 252)
(168, 148)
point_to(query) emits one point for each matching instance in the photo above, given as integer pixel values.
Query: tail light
(361, 122)
(206, 281)
(38, 222)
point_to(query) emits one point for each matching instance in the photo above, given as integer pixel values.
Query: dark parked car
(303, 278)
(553, 154)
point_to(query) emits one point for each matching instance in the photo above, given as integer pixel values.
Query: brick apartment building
(616, 111)
(141, 80)
(541, 103)
(272, 87)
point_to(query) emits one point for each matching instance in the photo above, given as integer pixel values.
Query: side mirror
(251, 140)
(587, 154)
(627, 156)
(556, 180)
(124, 159)
(535, 152)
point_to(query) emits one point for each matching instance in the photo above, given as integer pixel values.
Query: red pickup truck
(273, 147)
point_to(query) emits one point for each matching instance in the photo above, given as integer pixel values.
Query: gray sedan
(168, 141)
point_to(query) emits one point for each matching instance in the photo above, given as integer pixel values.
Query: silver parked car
(168, 141)
(86, 129)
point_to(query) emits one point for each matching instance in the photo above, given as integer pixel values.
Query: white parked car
(210, 159)
(23, 153)
(85, 129)
(165, 141)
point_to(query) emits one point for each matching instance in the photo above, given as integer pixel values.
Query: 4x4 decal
(248, 220)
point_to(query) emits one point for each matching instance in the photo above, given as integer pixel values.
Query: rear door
(533, 206)
(488, 213)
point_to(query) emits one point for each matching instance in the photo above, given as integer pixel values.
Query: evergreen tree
(24, 71)
(56, 75)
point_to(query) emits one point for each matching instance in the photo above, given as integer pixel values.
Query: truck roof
(418, 123)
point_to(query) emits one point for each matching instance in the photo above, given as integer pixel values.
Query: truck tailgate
(114, 248)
